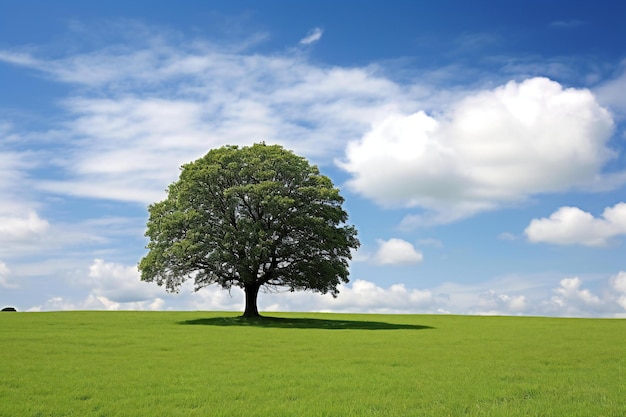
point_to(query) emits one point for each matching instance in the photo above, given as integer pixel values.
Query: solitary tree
(250, 217)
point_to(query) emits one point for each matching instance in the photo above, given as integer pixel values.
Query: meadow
(301, 364)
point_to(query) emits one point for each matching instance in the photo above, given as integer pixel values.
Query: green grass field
(300, 364)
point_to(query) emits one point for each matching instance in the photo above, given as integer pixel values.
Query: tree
(250, 217)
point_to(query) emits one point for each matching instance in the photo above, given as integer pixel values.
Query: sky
(480, 146)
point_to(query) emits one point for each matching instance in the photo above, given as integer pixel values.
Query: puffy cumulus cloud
(114, 286)
(571, 225)
(53, 304)
(359, 297)
(212, 298)
(368, 297)
(504, 296)
(119, 283)
(396, 252)
(313, 36)
(618, 283)
(539, 296)
(572, 300)
(24, 227)
(498, 297)
(157, 96)
(491, 148)
(493, 303)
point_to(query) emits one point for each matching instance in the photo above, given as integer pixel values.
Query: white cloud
(618, 282)
(214, 298)
(367, 296)
(573, 300)
(313, 36)
(15, 188)
(507, 236)
(492, 148)
(435, 243)
(21, 228)
(93, 302)
(609, 93)
(4, 270)
(12, 165)
(360, 296)
(5, 277)
(499, 296)
(155, 107)
(396, 252)
(519, 296)
(493, 303)
(506, 296)
(114, 286)
(567, 24)
(158, 105)
(110, 286)
(119, 284)
(571, 225)
(530, 296)
(19, 58)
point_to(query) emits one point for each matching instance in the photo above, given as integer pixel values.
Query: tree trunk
(252, 292)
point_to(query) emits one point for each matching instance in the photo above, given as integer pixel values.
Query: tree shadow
(303, 323)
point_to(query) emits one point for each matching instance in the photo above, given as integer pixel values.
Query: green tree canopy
(250, 217)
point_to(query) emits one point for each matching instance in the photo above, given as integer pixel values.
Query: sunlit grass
(213, 364)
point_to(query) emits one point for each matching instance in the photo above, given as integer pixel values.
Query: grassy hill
(301, 364)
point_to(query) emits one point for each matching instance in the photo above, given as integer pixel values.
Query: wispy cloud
(567, 24)
(144, 112)
(313, 36)
(468, 43)
(158, 106)
(145, 101)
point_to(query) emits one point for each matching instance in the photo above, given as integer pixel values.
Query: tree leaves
(249, 217)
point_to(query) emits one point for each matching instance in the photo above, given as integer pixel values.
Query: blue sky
(480, 146)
